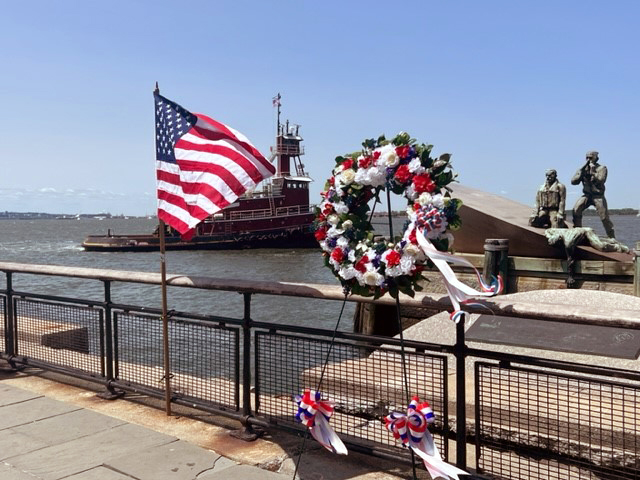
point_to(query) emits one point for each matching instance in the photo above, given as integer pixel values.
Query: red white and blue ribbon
(310, 404)
(459, 293)
(411, 429)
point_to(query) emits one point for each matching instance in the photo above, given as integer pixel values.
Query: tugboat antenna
(276, 103)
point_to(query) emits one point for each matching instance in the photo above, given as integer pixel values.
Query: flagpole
(165, 321)
(165, 316)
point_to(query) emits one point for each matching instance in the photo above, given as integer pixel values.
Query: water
(57, 242)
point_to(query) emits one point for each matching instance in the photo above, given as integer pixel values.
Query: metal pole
(405, 375)
(10, 321)
(248, 433)
(636, 276)
(165, 321)
(111, 393)
(461, 396)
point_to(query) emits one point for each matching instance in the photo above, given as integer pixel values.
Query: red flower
(403, 152)
(376, 154)
(327, 209)
(361, 264)
(393, 258)
(412, 237)
(423, 183)
(403, 174)
(365, 162)
(321, 234)
(338, 255)
(348, 163)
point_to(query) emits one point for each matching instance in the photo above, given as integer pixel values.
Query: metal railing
(530, 417)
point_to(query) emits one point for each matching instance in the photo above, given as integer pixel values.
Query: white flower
(410, 193)
(437, 200)
(373, 176)
(373, 278)
(415, 166)
(388, 156)
(333, 219)
(377, 177)
(347, 272)
(347, 224)
(425, 199)
(334, 232)
(342, 242)
(406, 263)
(412, 250)
(340, 208)
(394, 271)
(347, 177)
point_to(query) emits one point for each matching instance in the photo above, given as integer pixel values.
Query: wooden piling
(496, 260)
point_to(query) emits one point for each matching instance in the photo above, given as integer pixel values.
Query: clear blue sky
(509, 88)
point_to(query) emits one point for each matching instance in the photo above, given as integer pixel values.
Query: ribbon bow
(459, 293)
(309, 404)
(411, 429)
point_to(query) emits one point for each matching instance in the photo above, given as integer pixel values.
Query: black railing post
(461, 395)
(110, 393)
(10, 335)
(247, 433)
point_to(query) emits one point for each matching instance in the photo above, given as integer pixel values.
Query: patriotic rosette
(314, 413)
(367, 265)
(411, 429)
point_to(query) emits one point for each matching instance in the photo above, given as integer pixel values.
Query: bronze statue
(572, 238)
(592, 175)
(550, 200)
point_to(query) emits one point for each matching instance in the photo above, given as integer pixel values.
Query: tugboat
(277, 216)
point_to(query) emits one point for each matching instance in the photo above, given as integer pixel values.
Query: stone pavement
(43, 438)
(52, 430)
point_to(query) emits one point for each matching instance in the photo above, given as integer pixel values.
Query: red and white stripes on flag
(202, 166)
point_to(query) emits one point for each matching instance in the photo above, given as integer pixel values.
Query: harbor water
(57, 242)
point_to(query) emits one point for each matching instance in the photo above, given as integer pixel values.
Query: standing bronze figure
(592, 175)
(550, 201)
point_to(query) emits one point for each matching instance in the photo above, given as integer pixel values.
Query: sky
(510, 89)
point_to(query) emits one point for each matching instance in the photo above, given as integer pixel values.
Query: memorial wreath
(367, 264)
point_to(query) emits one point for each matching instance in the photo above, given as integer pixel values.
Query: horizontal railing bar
(556, 364)
(553, 312)
(75, 301)
(366, 340)
(125, 308)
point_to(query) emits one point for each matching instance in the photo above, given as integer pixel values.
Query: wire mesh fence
(204, 358)
(364, 382)
(549, 422)
(546, 424)
(65, 335)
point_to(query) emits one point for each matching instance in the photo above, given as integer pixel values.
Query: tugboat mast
(288, 146)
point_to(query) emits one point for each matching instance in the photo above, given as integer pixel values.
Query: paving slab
(174, 461)
(68, 426)
(243, 472)
(14, 443)
(98, 473)
(10, 395)
(9, 472)
(31, 411)
(82, 454)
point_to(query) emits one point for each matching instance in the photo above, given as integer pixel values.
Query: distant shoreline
(587, 213)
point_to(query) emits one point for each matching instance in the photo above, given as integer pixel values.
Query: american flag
(202, 166)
